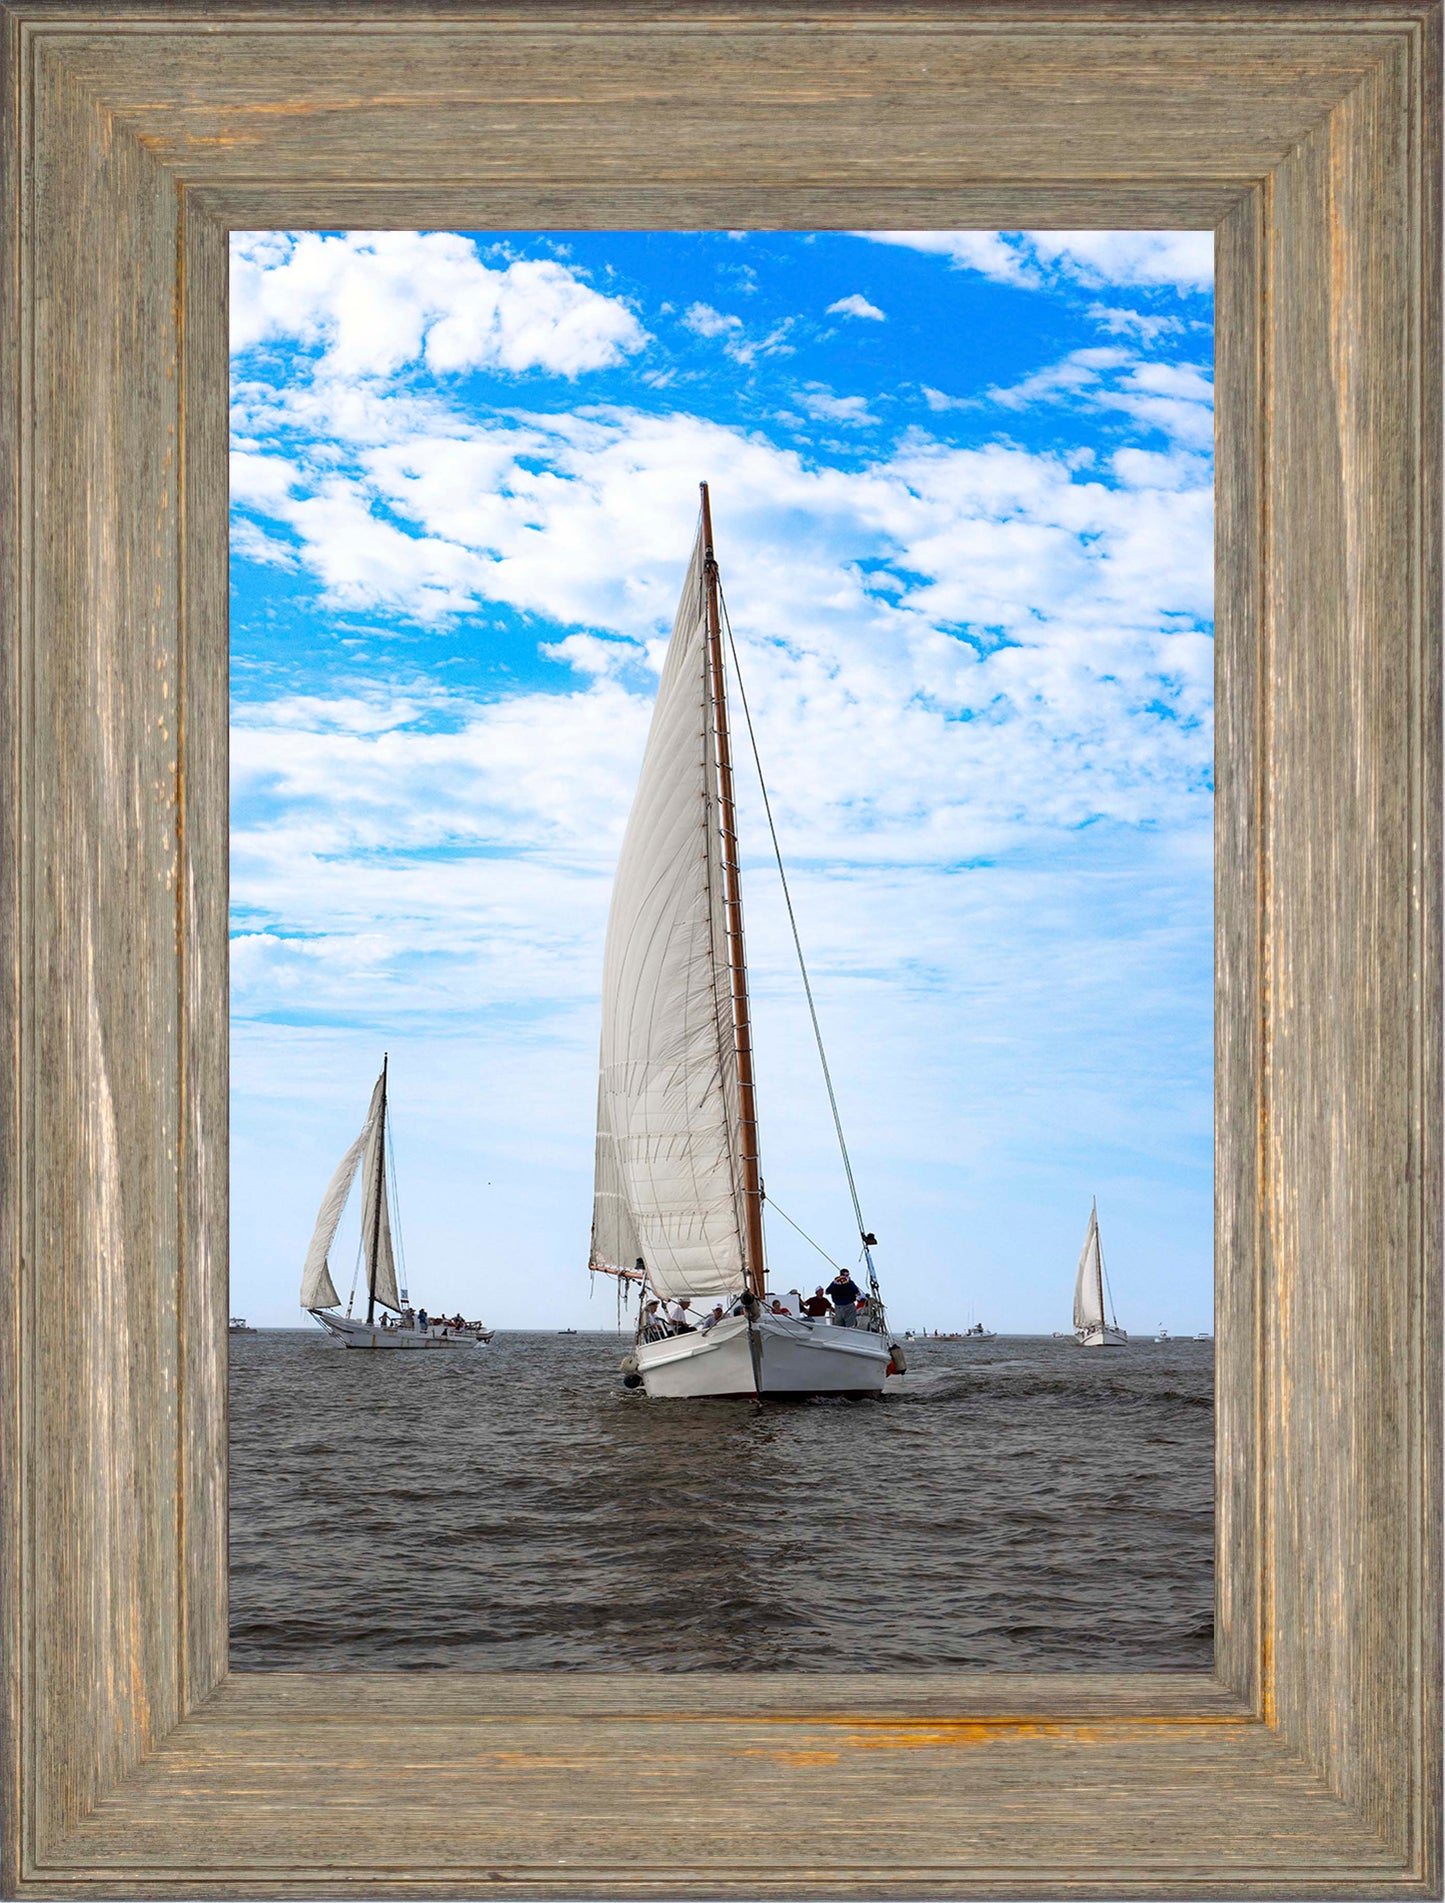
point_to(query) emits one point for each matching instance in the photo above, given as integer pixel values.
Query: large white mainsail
(668, 1169)
(317, 1288)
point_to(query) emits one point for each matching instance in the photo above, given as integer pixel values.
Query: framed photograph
(138, 142)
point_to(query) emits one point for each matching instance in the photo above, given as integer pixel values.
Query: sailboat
(399, 1326)
(1091, 1330)
(678, 1201)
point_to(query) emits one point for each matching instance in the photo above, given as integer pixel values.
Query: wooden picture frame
(1307, 133)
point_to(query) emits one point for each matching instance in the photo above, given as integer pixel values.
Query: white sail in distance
(668, 1171)
(317, 1288)
(1089, 1287)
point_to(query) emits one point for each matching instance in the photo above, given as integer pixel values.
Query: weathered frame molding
(1308, 134)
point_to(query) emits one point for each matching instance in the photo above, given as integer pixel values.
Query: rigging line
(804, 1234)
(398, 1240)
(792, 919)
(1106, 1294)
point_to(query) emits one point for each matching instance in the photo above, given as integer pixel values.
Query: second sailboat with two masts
(678, 1205)
(391, 1321)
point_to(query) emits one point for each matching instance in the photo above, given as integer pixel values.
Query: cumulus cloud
(1183, 260)
(1178, 260)
(939, 400)
(707, 322)
(1004, 621)
(855, 305)
(1176, 399)
(1147, 326)
(251, 543)
(822, 403)
(704, 321)
(989, 252)
(372, 303)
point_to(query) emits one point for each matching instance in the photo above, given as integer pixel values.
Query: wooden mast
(378, 1193)
(753, 1269)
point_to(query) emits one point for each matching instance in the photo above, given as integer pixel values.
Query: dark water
(1019, 1504)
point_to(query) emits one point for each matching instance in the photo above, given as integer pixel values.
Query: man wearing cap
(843, 1293)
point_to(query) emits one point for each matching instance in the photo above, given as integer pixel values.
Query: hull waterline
(359, 1334)
(1101, 1336)
(777, 1357)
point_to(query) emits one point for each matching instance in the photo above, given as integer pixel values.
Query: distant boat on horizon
(238, 1325)
(1091, 1328)
(400, 1326)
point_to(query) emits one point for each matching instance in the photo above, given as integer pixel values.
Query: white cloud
(855, 305)
(1081, 370)
(707, 322)
(1181, 260)
(375, 302)
(939, 400)
(747, 350)
(991, 619)
(591, 654)
(987, 251)
(821, 403)
(534, 512)
(252, 544)
(1177, 399)
(1141, 324)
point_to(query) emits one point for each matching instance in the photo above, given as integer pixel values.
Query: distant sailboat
(678, 1206)
(1091, 1329)
(400, 1326)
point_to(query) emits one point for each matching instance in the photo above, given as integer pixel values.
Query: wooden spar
(753, 1268)
(380, 1191)
(623, 1275)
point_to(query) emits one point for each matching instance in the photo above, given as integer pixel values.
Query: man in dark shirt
(843, 1293)
(817, 1304)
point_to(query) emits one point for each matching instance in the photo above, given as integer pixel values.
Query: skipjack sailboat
(678, 1205)
(400, 1326)
(1090, 1328)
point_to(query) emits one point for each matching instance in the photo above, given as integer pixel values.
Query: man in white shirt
(679, 1317)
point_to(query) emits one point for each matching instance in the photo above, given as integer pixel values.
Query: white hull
(359, 1334)
(1101, 1336)
(785, 1357)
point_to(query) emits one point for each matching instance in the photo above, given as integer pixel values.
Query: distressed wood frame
(1308, 136)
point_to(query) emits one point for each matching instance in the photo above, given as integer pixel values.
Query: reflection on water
(1016, 1504)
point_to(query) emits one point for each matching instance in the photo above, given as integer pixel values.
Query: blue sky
(962, 492)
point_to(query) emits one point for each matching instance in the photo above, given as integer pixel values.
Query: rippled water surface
(1016, 1504)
